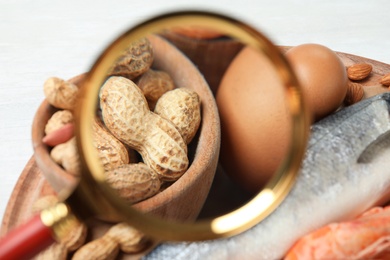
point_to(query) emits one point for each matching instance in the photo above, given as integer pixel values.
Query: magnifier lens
(190, 126)
(159, 121)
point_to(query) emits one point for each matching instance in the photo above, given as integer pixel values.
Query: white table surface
(44, 38)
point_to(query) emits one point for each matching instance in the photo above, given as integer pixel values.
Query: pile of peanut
(118, 238)
(141, 130)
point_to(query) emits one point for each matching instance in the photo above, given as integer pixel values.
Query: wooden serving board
(31, 184)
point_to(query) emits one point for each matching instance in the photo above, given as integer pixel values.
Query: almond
(354, 94)
(359, 71)
(385, 80)
(60, 135)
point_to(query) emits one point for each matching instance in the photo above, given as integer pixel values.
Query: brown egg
(254, 118)
(322, 76)
(255, 121)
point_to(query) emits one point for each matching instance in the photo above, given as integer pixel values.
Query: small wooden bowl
(184, 199)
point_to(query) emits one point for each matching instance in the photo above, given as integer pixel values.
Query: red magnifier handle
(26, 241)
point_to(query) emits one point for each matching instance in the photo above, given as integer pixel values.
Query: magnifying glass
(176, 169)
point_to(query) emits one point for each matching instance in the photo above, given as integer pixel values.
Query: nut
(57, 120)
(60, 93)
(67, 156)
(154, 84)
(359, 71)
(130, 240)
(136, 60)
(56, 251)
(181, 106)
(119, 237)
(133, 182)
(68, 243)
(104, 248)
(385, 80)
(112, 153)
(59, 136)
(127, 116)
(75, 238)
(354, 94)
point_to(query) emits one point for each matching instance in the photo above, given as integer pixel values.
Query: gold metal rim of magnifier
(98, 197)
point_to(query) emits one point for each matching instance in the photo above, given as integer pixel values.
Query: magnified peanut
(181, 106)
(130, 240)
(57, 120)
(136, 59)
(60, 93)
(154, 84)
(133, 182)
(67, 156)
(127, 116)
(112, 153)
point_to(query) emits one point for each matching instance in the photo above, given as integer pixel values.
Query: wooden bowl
(184, 199)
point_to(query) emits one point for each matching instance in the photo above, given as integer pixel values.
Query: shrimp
(366, 237)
